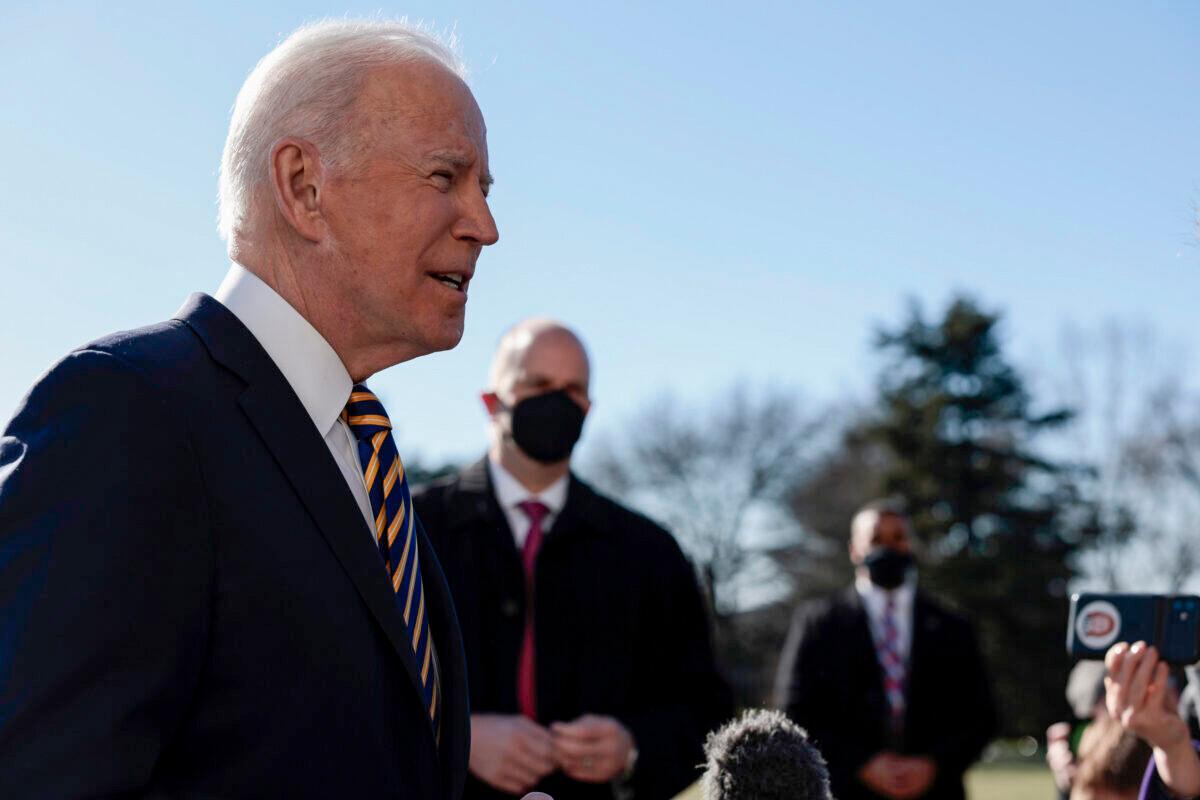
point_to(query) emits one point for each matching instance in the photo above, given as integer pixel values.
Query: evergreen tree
(999, 522)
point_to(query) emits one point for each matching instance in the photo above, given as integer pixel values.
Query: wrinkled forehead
(424, 102)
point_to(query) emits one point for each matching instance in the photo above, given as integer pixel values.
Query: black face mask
(887, 567)
(547, 426)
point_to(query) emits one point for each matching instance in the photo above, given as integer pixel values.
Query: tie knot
(365, 414)
(535, 510)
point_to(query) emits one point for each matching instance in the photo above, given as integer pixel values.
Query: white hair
(302, 88)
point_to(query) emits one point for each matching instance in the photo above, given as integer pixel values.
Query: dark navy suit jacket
(830, 682)
(621, 627)
(190, 602)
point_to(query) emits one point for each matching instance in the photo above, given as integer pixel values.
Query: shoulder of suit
(163, 347)
(610, 517)
(455, 501)
(829, 608)
(943, 614)
(163, 355)
(437, 488)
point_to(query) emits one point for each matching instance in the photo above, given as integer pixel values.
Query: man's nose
(477, 223)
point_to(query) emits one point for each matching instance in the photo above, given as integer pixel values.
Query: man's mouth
(455, 280)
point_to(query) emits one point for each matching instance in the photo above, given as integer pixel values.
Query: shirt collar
(510, 492)
(307, 361)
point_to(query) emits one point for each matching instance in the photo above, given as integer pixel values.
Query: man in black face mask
(890, 685)
(586, 639)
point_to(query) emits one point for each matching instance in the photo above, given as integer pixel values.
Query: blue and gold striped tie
(395, 531)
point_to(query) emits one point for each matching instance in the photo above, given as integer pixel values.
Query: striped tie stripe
(893, 665)
(391, 502)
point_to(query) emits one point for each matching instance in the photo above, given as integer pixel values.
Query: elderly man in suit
(587, 641)
(212, 578)
(889, 684)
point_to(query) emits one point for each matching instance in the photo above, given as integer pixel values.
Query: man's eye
(443, 177)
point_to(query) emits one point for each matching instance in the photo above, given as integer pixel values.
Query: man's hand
(879, 774)
(510, 752)
(914, 776)
(896, 776)
(1059, 757)
(1135, 691)
(592, 748)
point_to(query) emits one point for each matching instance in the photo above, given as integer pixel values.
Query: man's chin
(447, 338)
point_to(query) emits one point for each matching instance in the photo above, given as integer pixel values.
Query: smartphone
(1167, 621)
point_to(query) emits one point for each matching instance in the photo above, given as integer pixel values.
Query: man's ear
(297, 182)
(491, 401)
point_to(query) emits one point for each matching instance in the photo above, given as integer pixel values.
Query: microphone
(763, 755)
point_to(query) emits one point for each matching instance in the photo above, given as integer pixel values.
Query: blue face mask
(887, 567)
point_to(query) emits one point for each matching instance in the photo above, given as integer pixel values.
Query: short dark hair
(763, 755)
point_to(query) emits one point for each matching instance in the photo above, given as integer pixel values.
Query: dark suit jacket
(621, 628)
(831, 683)
(192, 603)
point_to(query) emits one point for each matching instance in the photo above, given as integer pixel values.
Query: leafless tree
(824, 501)
(716, 476)
(1140, 463)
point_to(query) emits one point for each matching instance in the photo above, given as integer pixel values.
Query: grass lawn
(1010, 781)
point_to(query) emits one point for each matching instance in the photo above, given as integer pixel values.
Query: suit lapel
(865, 640)
(478, 504)
(303, 457)
(923, 625)
(447, 638)
(865, 643)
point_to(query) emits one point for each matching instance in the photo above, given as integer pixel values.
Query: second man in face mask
(889, 684)
(586, 639)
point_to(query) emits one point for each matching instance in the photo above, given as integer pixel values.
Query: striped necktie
(893, 666)
(395, 531)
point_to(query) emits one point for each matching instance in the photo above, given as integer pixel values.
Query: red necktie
(526, 673)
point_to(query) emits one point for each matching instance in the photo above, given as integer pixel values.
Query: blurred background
(819, 252)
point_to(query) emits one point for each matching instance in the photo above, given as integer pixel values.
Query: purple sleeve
(1152, 786)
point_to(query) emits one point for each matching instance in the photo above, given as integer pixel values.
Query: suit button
(509, 607)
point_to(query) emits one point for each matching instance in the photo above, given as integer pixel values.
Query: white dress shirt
(875, 602)
(510, 494)
(309, 365)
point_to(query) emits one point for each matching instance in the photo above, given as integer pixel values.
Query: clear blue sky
(706, 193)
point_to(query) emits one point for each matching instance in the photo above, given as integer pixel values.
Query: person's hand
(510, 752)
(898, 777)
(592, 748)
(913, 776)
(1134, 693)
(881, 774)
(1059, 757)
